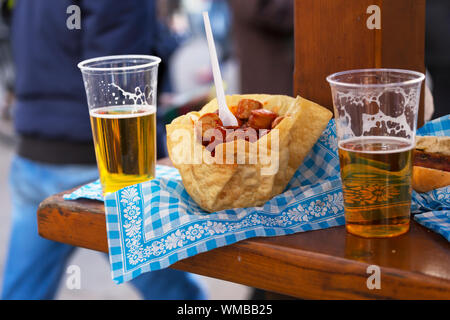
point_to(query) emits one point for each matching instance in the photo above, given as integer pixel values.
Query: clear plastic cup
(376, 117)
(121, 95)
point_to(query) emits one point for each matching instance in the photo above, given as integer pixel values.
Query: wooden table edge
(322, 276)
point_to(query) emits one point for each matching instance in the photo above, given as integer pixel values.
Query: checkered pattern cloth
(156, 223)
(432, 209)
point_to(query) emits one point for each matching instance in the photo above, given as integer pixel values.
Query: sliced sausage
(208, 121)
(245, 107)
(277, 121)
(261, 119)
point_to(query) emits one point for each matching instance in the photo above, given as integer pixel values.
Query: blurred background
(189, 87)
(254, 40)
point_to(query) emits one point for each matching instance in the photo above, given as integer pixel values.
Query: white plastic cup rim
(333, 82)
(85, 65)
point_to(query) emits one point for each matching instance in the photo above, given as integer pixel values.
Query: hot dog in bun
(431, 163)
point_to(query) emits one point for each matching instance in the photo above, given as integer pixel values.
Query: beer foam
(138, 97)
(125, 111)
(379, 139)
(401, 124)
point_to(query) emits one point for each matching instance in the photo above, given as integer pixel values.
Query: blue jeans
(35, 266)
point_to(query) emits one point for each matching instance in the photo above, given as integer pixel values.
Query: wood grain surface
(332, 36)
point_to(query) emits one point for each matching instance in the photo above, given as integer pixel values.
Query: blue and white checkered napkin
(156, 223)
(432, 209)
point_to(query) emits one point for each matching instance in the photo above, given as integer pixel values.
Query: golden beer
(376, 180)
(125, 144)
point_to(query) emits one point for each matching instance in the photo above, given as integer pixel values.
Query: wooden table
(322, 264)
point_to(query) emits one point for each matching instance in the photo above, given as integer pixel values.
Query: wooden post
(338, 35)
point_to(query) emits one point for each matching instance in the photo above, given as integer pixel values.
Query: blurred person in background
(437, 54)
(263, 31)
(6, 64)
(190, 66)
(55, 150)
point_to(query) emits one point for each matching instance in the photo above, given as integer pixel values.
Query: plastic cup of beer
(121, 95)
(376, 117)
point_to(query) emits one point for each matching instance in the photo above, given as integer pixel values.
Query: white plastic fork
(225, 115)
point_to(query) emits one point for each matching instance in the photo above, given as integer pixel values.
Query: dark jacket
(437, 53)
(263, 31)
(51, 101)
